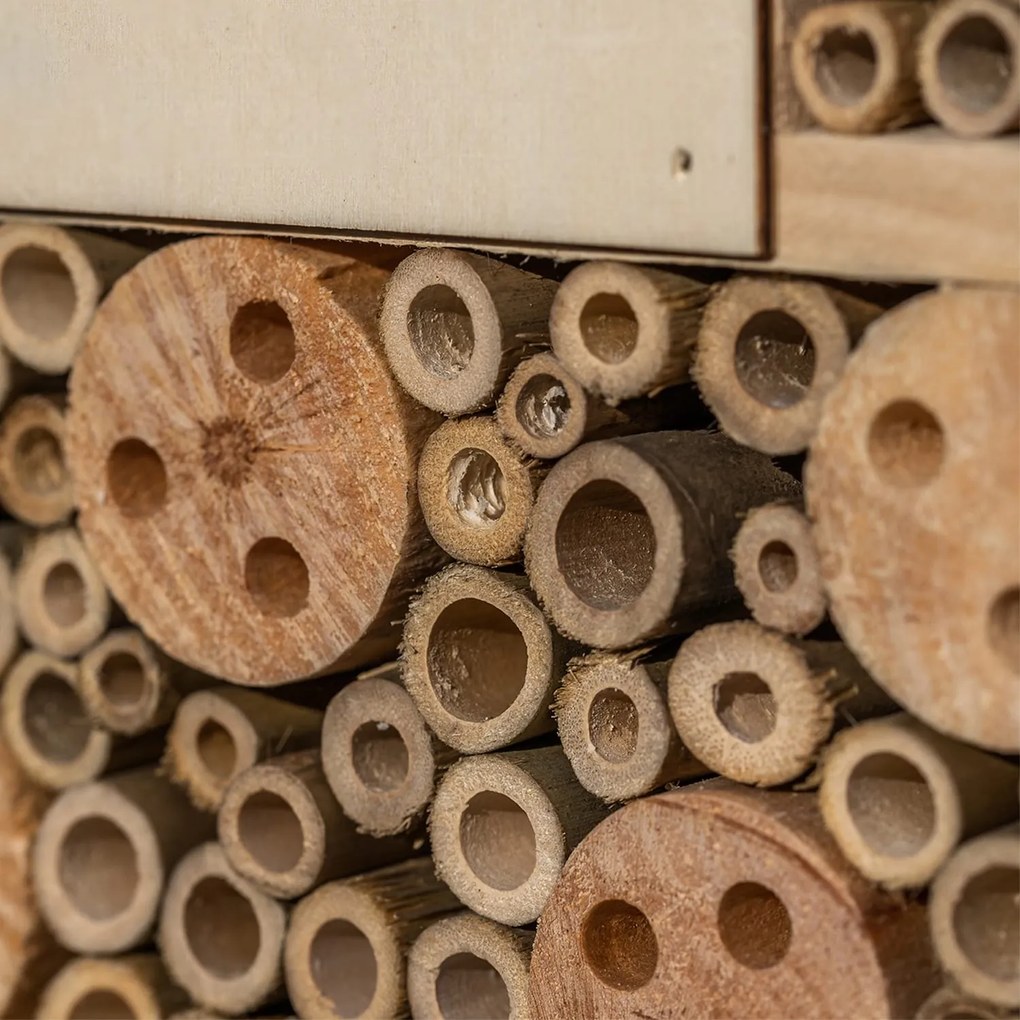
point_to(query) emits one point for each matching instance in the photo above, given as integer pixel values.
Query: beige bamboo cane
(12, 537)
(949, 1003)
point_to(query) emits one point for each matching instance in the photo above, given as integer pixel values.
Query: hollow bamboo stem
(949, 1003)
(12, 537)
(35, 485)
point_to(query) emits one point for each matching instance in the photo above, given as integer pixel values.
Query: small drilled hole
(613, 725)
(846, 65)
(54, 719)
(136, 478)
(101, 1004)
(379, 756)
(619, 945)
(468, 987)
(63, 594)
(609, 328)
(987, 924)
(746, 706)
(122, 679)
(906, 444)
(39, 292)
(221, 928)
(774, 359)
(1004, 627)
(343, 966)
(262, 341)
(976, 63)
(271, 832)
(216, 749)
(891, 805)
(442, 334)
(39, 461)
(682, 162)
(498, 841)
(476, 487)
(98, 868)
(754, 925)
(276, 577)
(777, 566)
(543, 407)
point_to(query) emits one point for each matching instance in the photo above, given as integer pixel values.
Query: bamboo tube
(918, 537)
(949, 1003)
(898, 797)
(480, 660)
(469, 966)
(380, 758)
(502, 826)
(221, 939)
(35, 484)
(969, 66)
(51, 281)
(777, 570)
(11, 539)
(615, 726)
(210, 495)
(217, 734)
(127, 988)
(855, 64)
(618, 549)
(626, 330)
(282, 829)
(974, 921)
(476, 491)
(722, 901)
(758, 707)
(769, 351)
(455, 324)
(347, 944)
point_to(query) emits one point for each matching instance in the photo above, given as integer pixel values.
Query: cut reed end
(35, 485)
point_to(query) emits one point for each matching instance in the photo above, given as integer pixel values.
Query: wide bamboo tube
(969, 66)
(347, 942)
(905, 472)
(469, 966)
(218, 733)
(455, 325)
(769, 350)
(35, 485)
(221, 939)
(12, 537)
(949, 1003)
(625, 330)
(51, 281)
(480, 660)
(502, 826)
(855, 64)
(757, 706)
(618, 548)
(898, 797)
(211, 497)
(723, 901)
(477, 491)
(615, 726)
(282, 829)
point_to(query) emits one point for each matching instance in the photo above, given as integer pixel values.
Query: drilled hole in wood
(986, 922)
(619, 945)
(846, 65)
(976, 63)
(774, 359)
(270, 831)
(276, 577)
(379, 756)
(498, 840)
(38, 292)
(906, 444)
(476, 487)
(754, 925)
(777, 566)
(98, 868)
(262, 341)
(102, 1004)
(891, 805)
(216, 749)
(613, 725)
(122, 679)
(609, 328)
(441, 331)
(343, 966)
(468, 987)
(1004, 627)
(221, 928)
(39, 461)
(54, 719)
(746, 706)
(543, 406)
(136, 478)
(63, 594)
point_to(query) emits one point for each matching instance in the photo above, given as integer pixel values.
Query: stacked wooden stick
(266, 489)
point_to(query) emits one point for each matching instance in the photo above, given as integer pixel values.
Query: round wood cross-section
(243, 461)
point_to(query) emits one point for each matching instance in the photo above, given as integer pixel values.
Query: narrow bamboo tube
(207, 461)
(12, 537)
(777, 570)
(63, 605)
(469, 966)
(127, 988)
(855, 64)
(221, 939)
(502, 826)
(480, 660)
(102, 855)
(217, 734)
(969, 66)
(890, 486)
(615, 726)
(769, 351)
(35, 485)
(282, 829)
(722, 901)
(347, 942)
(380, 758)
(974, 920)
(618, 548)
(949, 1003)
(51, 281)
(477, 491)
(898, 797)
(455, 324)
(626, 330)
